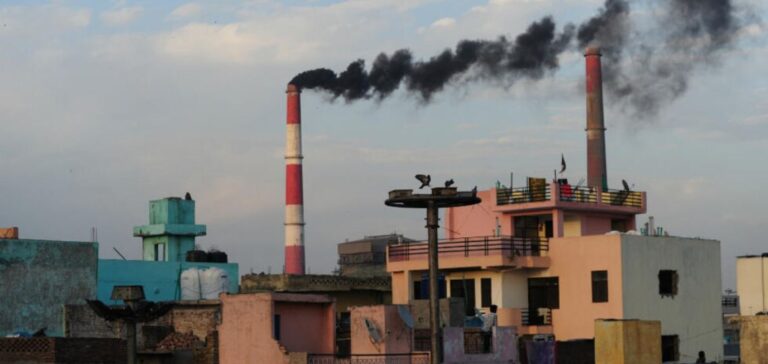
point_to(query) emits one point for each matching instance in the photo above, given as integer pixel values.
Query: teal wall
(160, 279)
(38, 277)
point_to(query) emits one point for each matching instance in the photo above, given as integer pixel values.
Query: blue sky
(108, 104)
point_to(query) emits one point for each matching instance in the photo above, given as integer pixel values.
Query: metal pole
(130, 328)
(434, 293)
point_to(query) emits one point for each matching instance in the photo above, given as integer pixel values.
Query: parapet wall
(311, 283)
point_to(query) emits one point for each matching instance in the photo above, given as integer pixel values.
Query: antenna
(94, 235)
(118, 253)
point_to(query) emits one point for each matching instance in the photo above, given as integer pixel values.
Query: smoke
(643, 67)
(531, 55)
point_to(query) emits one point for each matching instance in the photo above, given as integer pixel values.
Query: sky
(106, 105)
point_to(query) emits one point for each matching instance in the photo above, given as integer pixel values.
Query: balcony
(554, 195)
(475, 252)
(527, 324)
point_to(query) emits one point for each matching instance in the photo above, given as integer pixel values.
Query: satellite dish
(405, 315)
(373, 331)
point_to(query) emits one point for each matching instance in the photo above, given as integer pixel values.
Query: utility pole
(440, 197)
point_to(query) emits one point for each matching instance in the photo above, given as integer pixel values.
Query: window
(421, 287)
(160, 252)
(485, 292)
(465, 288)
(417, 290)
(619, 225)
(543, 294)
(668, 282)
(599, 286)
(276, 328)
(670, 348)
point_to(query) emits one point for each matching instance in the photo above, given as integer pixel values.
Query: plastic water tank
(190, 284)
(213, 282)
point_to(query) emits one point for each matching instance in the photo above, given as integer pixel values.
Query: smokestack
(294, 195)
(596, 165)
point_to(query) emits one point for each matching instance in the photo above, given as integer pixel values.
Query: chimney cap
(592, 50)
(292, 89)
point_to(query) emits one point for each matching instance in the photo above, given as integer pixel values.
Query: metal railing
(537, 319)
(578, 194)
(569, 193)
(470, 247)
(623, 198)
(507, 196)
(409, 358)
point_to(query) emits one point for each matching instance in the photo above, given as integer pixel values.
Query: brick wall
(199, 318)
(62, 351)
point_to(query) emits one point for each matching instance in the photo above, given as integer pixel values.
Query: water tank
(203, 284)
(197, 256)
(190, 284)
(216, 256)
(213, 281)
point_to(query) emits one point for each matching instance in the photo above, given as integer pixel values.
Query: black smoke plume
(643, 67)
(644, 70)
(531, 55)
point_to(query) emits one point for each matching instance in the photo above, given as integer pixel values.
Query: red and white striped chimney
(597, 175)
(294, 195)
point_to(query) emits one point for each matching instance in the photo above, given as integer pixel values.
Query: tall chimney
(597, 175)
(294, 195)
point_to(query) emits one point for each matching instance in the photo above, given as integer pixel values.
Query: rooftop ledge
(482, 251)
(169, 229)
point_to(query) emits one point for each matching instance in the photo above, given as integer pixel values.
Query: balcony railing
(410, 358)
(541, 318)
(506, 196)
(568, 193)
(471, 247)
(623, 198)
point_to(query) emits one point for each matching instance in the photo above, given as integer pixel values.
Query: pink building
(275, 327)
(555, 257)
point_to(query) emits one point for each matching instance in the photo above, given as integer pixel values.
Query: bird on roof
(424, 179)
(449, 183)
(474, 191)
(188, 196)
(626, 185)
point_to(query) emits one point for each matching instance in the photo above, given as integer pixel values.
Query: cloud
(188, 10)
(443, 23)
(121, 16)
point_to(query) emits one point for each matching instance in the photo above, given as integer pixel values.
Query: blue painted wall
(160, 279)
(38, 277)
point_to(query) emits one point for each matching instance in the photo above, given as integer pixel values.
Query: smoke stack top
(641, 73)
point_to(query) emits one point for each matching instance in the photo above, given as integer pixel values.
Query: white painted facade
(752, 284)
(695, 312)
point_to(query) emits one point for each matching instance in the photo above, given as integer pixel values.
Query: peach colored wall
(246, 329)
(573, 260)
(299, 319)
(245, 333)
(476, 220)
(401, 288)
(396, 337)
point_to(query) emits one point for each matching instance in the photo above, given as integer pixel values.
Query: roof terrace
(565, 196)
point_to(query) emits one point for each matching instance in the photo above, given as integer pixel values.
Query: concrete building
(275, 327)
(555, 257)
(751, 283)
(38, 277)
(166, 242)
(367, 257)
